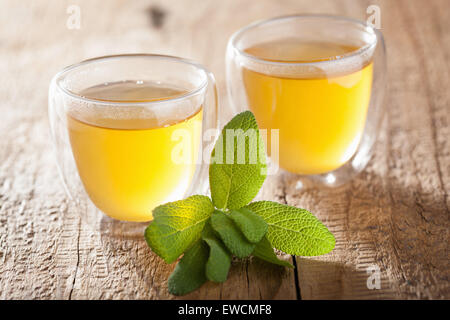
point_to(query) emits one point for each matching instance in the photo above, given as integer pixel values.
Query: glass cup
(316, 84)
(127, 131)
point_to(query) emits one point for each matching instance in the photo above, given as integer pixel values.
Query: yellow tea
(320, 116)
(125, 162)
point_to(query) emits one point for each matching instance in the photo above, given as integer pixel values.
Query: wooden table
(394, 215)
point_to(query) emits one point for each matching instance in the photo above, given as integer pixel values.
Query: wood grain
(394, 215)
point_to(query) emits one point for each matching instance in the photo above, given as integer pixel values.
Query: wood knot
(157, 16)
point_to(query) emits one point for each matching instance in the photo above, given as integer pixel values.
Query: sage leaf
(177, 225)
(189, 274)
(238, 163)
(264, 251)
(294, 231)
(219, 259)
(231, 236)
(252, 225)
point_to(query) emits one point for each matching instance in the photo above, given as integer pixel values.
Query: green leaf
(231, 236)
(265, 252)
(189, 274)
(219, 260)
(177, 225)
(252, 225)
(238, 163)
(293, 230)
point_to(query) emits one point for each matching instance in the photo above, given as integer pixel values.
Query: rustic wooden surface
(394, 215)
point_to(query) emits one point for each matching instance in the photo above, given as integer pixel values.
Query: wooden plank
(395, 214)
(46, 250)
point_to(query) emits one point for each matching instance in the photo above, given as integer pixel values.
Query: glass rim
(58, 76)
(366, 48)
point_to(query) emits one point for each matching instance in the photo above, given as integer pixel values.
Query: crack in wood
(78, 259)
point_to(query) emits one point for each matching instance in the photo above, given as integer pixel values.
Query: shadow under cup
(316, 84)
(128, 132)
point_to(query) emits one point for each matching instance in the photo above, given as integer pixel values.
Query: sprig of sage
(209, 231)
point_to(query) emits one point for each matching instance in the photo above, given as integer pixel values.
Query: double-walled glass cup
(316, 84)
(128, 131)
